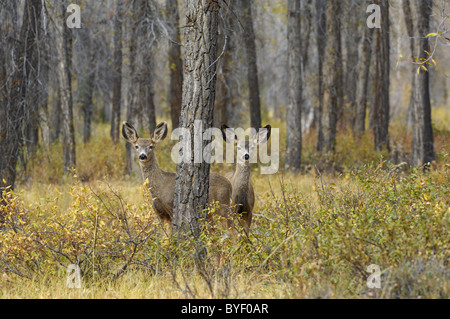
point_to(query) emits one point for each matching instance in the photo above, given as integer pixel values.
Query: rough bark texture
(422, 144)
(252, 68)
(295, 73)
(192, 183)
(175, 63)
(331, 76)
(381, 105)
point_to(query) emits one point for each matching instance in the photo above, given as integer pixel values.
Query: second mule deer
(162, 184)
(243, 195)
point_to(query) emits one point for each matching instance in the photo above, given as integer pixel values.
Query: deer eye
(150, 147)
(137, 147)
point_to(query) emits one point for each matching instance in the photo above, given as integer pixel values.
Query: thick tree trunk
(117, 77)
(331, 75)
(175, 63)
(252, 67)
(192, 183)
(381, 105)
(295, 74)
(422, 144)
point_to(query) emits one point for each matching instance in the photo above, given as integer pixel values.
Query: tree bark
(381, 105)
(359, 122)
(331, 74)
(192, 183)
(407, 12)
(117, 77)
(352, 40)
(252, 67)
(225, 49)
(64, 51)
(89, 91)
(422, 144)
(321, 42)
(175, 63)
(295, 74)
(17, 106)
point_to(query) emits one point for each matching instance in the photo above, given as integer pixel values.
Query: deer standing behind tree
(243, 195)
(162, 184)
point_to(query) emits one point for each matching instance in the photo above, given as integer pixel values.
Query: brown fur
(162, 184)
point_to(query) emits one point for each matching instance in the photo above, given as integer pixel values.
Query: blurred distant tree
(175, 63)
(295, 75)
(423, 141)
(381, 107)
(321, 36)
(331, 73)
(117, 75)
(252, 66)
(18, 83)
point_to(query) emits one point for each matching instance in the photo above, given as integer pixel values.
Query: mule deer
(162, 184)
(243, 195)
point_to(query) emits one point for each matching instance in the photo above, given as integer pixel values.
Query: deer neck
(153, 173)
(241, 178)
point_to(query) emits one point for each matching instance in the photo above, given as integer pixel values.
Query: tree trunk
(381, 105)
(359, 122)
(192, 183)
(64, 51)
(295, 74)
(225, 49)
(175, 63)
(352, 40)
(133, 94)
(407, 12)
(252, 67)
(19, 103)
(331, 75)
(422, 144)
(117, 77)
(321, 42)
(89, 91)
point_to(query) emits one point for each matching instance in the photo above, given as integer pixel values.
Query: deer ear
(160, 132)
(264, 134)
(129, 133)
(228, 134)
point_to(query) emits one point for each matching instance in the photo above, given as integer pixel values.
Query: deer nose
(142, 157)
(246, 157)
